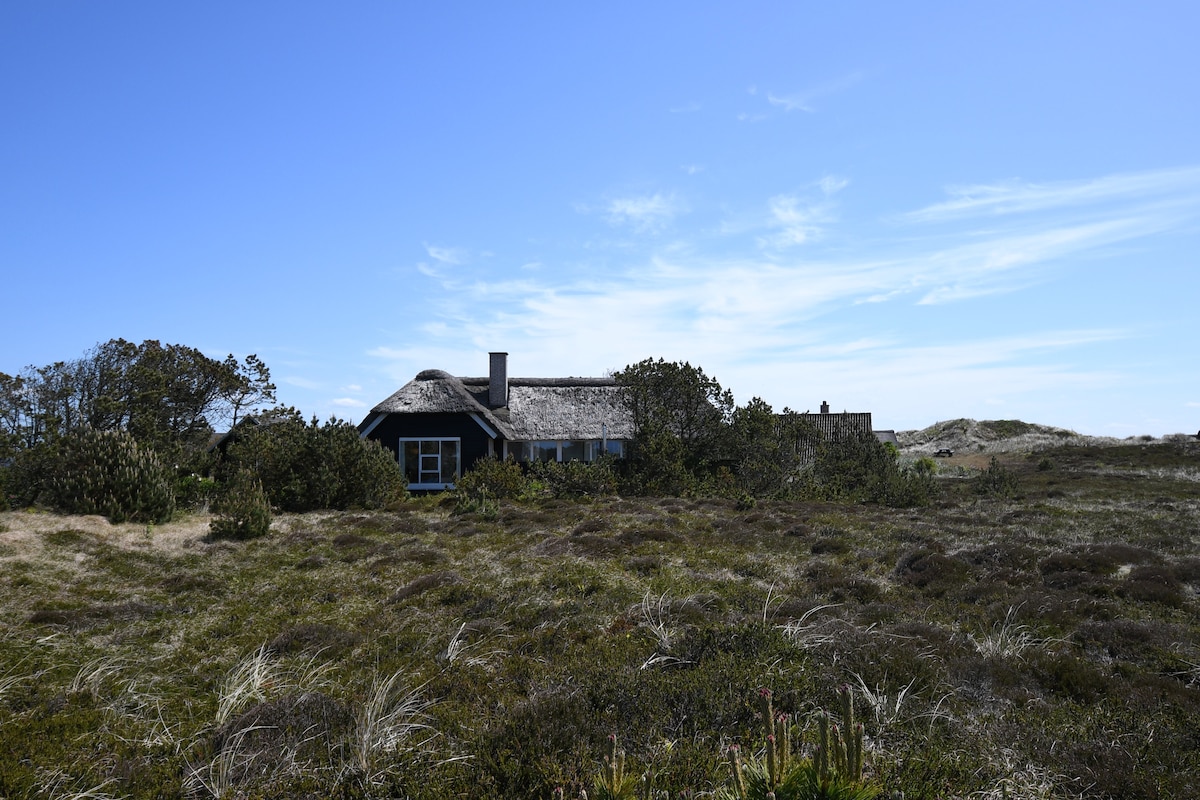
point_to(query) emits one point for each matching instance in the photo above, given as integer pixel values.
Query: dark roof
(828, 424)
(538, 408)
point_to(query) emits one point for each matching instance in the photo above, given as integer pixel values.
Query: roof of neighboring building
(538, 408)
(828, 423)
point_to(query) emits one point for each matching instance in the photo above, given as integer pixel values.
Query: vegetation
(1037, 646)
(692, 440)
(140, 404)
(243, 512)
(307, 466)
(166, 396)
(107, 473)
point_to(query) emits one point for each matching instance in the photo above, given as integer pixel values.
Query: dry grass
(1021, 645)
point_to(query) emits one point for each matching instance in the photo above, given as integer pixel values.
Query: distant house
(220, 441)
(829, 423)
(438, 425)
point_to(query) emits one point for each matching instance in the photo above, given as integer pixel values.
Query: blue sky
(925, 210)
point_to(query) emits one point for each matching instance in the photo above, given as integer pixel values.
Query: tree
(250, 386)
(166, 396)
(855, 466)
(680, 400)
(108, 473)
(769, 449)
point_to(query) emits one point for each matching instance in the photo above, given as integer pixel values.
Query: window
(612, 447)
(543, 451)
(429, 463)
(564, 450)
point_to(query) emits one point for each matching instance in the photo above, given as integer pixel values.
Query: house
(220, 441)
(438, 425)
(827, 424)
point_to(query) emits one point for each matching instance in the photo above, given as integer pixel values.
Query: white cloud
(347, 402)
(446, 255)
(766, 322)
(794, 221)
(803, 101)
(796, 102)
(1014, 197)
(692, 169)
(646, 212)
(686, 108)
(832, 184)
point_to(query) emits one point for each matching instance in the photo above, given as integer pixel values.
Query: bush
(108, 473)
(856, 467)
(305, 467)
(995, 481)
(656, 466)
(194, 491)
(243, 511)
(493, 479)
(576, 479)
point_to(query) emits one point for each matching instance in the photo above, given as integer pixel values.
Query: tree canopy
(166, 396)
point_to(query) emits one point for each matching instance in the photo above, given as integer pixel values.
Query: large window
(564, 450)
(429, 463)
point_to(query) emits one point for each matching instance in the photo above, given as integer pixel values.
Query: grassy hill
(1045, 644)
(1009, 436)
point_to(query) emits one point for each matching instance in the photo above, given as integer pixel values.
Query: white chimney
(497, 380)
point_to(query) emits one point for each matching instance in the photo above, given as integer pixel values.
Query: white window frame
(439, 439)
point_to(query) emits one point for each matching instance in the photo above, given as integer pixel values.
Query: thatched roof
(831, 424)
(538, 408)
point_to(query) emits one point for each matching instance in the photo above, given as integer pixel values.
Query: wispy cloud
(762, 312)
(1017, 197)
(686, 108)
(832, 184)
(446, 255)
(347, 402)
(803, 100)
(794, 220)
(644, 212)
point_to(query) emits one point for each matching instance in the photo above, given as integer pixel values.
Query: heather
(1031, 632)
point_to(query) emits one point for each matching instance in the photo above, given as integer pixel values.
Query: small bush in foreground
(243, 512)
(576, 479)
(492, 479)
(995, 481)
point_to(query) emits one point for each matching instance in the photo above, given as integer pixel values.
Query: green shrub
(243, 511)
(656, 466)
(493, 479)
(835, 772)
(576, 479)
(305, 467)
(108, 473)
(995, 481)
(194, 491)
(856, 467)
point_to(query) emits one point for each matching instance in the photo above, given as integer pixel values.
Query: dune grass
(1039, 645)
